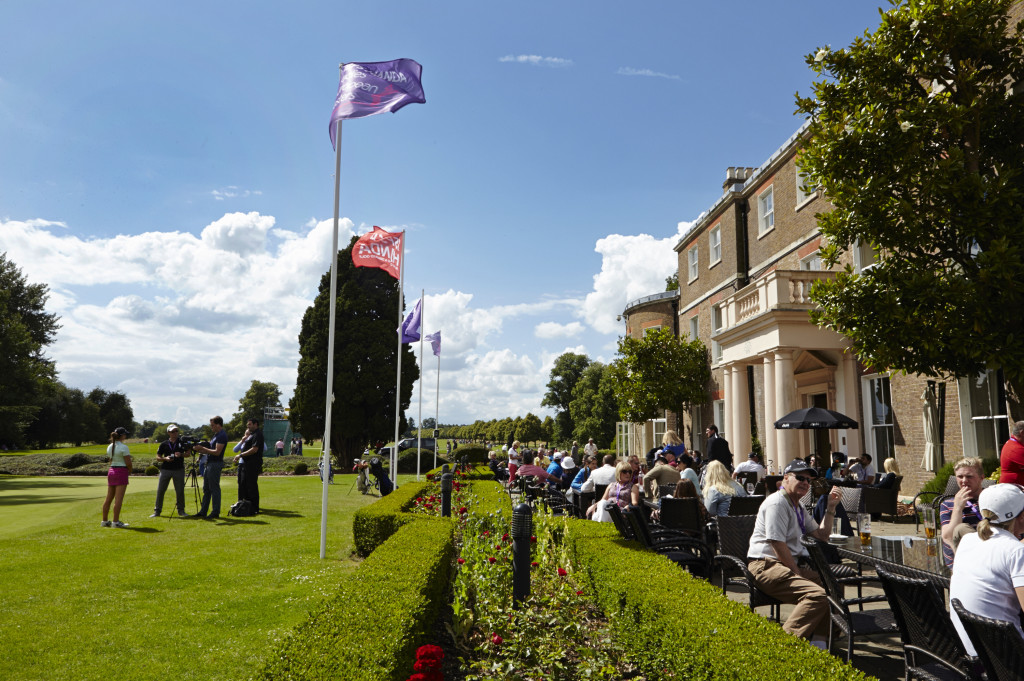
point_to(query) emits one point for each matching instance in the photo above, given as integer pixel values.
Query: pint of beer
(864, 528)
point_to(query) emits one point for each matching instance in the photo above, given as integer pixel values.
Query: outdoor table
(913, 557)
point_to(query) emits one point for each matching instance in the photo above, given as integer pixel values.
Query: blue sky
(166, 169)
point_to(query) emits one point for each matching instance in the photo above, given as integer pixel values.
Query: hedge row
(374, 524)
(370, 628)
(712, 637)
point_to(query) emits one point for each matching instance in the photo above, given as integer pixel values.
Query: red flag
(379, 248)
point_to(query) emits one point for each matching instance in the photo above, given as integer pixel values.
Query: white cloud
(627, 71)
(556, 330)
(536, 60)
(233, 192)
(631, 267)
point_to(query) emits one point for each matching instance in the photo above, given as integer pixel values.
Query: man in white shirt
(605, 475)
(751, 465)
(590, 448)
(861, 470)
(775, 553)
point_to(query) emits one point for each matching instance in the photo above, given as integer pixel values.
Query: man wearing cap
(779, 562)
(555, 467)
(172, 467)
(988, 572)
(751, 465)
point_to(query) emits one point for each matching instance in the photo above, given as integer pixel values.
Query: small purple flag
(411, 326)
(368, 88)
(435, 342)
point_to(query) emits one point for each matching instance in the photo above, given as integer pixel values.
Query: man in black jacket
(718, 447)
(250, 465)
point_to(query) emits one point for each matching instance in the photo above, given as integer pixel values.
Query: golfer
(117, 476)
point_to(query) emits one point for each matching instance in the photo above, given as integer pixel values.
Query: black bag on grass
(241, 508)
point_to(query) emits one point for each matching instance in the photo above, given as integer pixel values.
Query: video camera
(188, 443)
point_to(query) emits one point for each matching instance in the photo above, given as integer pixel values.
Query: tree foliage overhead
(260, 394)
(657, 372)
(594, 407)
(565, 374)
(365, 359)
(917, 139)
(26, 374)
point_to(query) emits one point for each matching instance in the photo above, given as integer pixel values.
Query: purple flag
(411, 326)
(368, 88)
(435, 342)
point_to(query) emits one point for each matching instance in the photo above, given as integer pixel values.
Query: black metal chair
(999, 645)
(555, 500)
(688, 553)
(878, 501)
(599, 491)
(931, 647)
(581, 501)
(746, 478)
(768, 485)
(665, 490)
(734, 534)
(852, 624)
(745, 505)
(684, 515)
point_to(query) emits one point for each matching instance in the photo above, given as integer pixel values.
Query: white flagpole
(437, 402)
(398, 382)
(419, 419)
(325, 467)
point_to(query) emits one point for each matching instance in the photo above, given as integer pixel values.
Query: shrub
(374, 524)
(476, 453)
(152, 470)
(353, 637)
(407, 460)
(300, 468)
(713, 636)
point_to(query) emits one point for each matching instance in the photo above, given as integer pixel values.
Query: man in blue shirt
(214, 465)
(555, 467)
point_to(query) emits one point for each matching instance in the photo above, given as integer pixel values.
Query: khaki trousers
(810, 617)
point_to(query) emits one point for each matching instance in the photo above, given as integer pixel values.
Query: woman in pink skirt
(117, 476)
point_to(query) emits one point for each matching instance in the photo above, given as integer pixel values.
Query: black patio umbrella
(815, 417)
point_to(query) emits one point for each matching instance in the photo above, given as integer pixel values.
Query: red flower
(486, 534)
(504, 537)
(497, 547)
(533, 540)
(462, 561)
(579, 593)
(497, 640)
(491, 559)
(429, 652)
(562, 572)
(462, 509)
(534, 564)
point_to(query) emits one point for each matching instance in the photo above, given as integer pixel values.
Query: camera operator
(250, 464)
(214, 465)
(171, 456)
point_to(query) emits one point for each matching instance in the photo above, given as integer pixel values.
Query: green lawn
(168, 598)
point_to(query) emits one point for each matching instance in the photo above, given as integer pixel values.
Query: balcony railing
(780, 289)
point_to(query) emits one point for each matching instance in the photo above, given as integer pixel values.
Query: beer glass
(864, 528)
(750, 489)
(929, 522)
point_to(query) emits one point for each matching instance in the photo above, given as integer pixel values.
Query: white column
(725, 428)
(784, 404)
(741, 415)
(851, 381)
(768, 437)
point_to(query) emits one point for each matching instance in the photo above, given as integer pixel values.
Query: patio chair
(599, 491)
(665, 490)
(682, 514)
(746, 478)
(768, 484)
(733, 543)
(998, 643)
(852, 624)
(931, 647)
(876, 500)
(555, 500)
(689, 553)
(582, 501)
(745, 505)
(624, 528)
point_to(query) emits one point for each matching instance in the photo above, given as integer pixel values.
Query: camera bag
(241, 508)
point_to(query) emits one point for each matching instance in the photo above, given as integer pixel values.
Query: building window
(878, 413)
(660, 427)
(983, 413)
(715, 246)
(718, 416)
(803, 196)
(694, 327)
(811, 263)
(651, 328)
(765, 211)
(864, 256)
(692, 258)
(717, 322)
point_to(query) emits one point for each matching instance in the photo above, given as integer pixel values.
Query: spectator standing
(590, 448)
(214, 466)
(279, 447)
(513, 459)
(250, 465)
(117, 476)
(1011, 458)
(671, 442)
(172, 468)
(718, 447)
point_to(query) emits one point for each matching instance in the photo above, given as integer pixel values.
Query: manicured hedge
(476, 453)
(374, 524)
(712, 637)
(370, 628)
(407, 460)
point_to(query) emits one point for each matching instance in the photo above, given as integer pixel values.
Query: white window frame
(803, 197)
(694, 327)
(659, 428)
(864, 256)
(718, 415)
(717, 324)
(714, 246)
(766, 211)
(693, 262)
(870, 426)
(648, 329)
(812, 262)
(969, 420)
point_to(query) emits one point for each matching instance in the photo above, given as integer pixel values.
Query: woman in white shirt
(117, 476)
(988, 569)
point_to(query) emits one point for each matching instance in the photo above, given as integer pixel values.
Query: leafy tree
(146, 428)
(430, 423)
(658, 372)
(26, 374)
(115, 410)
(547, 429)
(529, 428)
(672, 282)
(365, 355)
(917, 138)
(260, 394)
(594, 407)
(565, 374)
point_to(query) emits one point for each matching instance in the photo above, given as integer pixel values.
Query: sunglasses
(803, 478)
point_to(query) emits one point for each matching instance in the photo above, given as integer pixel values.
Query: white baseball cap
(1005, 500)
(558, 455)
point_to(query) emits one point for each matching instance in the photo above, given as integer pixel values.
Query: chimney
(735, 177)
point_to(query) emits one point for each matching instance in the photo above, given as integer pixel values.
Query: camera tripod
(192, 477)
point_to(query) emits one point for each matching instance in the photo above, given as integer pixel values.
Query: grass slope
(169, 598)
